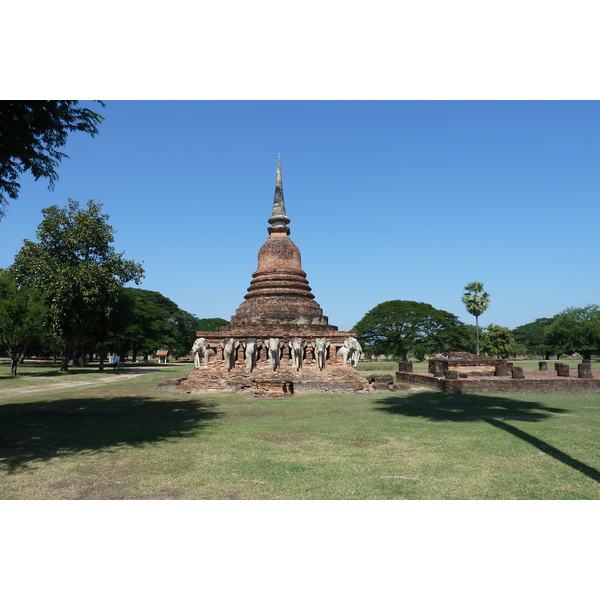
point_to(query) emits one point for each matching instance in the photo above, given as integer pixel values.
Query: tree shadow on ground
(495, 410)
(47, 370)
(437, 406)
(42, 430)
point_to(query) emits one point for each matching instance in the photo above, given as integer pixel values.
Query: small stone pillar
(517, 373)
(562, 370)
(584, 370)
(381, 381)
(405, 367)
(502, 371)
(556, 365)
(438, 368)
(451, 374)
(543, 365)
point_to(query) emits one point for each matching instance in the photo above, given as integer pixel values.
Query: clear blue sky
(388, 200)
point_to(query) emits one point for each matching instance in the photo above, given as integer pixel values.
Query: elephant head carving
(230, 347)
(351, 351)
(297, 347)
(201, 351)
(320, 345)
(251, 348)
(274, 349)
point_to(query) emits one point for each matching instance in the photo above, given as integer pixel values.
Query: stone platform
(540, 382)
(286, 380)
(264, 382)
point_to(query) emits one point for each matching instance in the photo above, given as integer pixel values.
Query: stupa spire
(278, 217)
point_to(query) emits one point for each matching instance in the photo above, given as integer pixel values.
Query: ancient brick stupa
(278, 342)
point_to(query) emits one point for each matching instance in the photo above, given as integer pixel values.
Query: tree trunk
(14, 363)
(75, 353)
(66, 358)
(477, 333)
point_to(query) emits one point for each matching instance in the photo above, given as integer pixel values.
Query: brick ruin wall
(264, 381)
(476, 366)
(500, 385)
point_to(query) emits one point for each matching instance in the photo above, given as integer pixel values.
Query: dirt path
(30, 389)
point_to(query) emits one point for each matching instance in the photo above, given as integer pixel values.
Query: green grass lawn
(101, 438)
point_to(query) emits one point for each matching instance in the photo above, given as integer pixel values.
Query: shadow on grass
(495, 410)
(437, 406)
(48, 369)
(41, 430)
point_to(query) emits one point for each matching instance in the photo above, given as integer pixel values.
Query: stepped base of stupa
(218, 374)
(264, 382)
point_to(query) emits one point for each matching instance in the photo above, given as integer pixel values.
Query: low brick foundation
(540, 382)
(264, 382)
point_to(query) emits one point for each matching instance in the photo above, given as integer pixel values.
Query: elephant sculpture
(201, 351)
(274, 350)
(252, 347)
(351, 351)
(320, 346)
(230, 347)
(297, 347)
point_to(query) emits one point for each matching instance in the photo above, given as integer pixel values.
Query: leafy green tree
(470, 339)
(534, 337)
(149, 321)
(21, 319)
(187, 325)
(145, 322)
(78, 270)
(476, 302)
(576, 330)
(497, 341)
(212, 324)
(398, 327)
(31, 134)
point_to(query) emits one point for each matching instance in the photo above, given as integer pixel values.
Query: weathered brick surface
(263, 381)
(381, 382)
(279, 304)
(279, 292)
(533, 381)
(465, 364)
(584, 370)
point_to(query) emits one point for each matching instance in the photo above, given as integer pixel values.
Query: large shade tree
(78, 270)
(534, 337)
(31, 135)
(476, 302)
(576, 330)
(149, 321)
(398, 327)
(211, 324)
(21, 319)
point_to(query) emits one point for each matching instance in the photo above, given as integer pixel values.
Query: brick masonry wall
(285, 334)
(497, 385)
(263, 381)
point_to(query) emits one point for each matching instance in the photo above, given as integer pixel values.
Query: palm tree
(476, 302)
